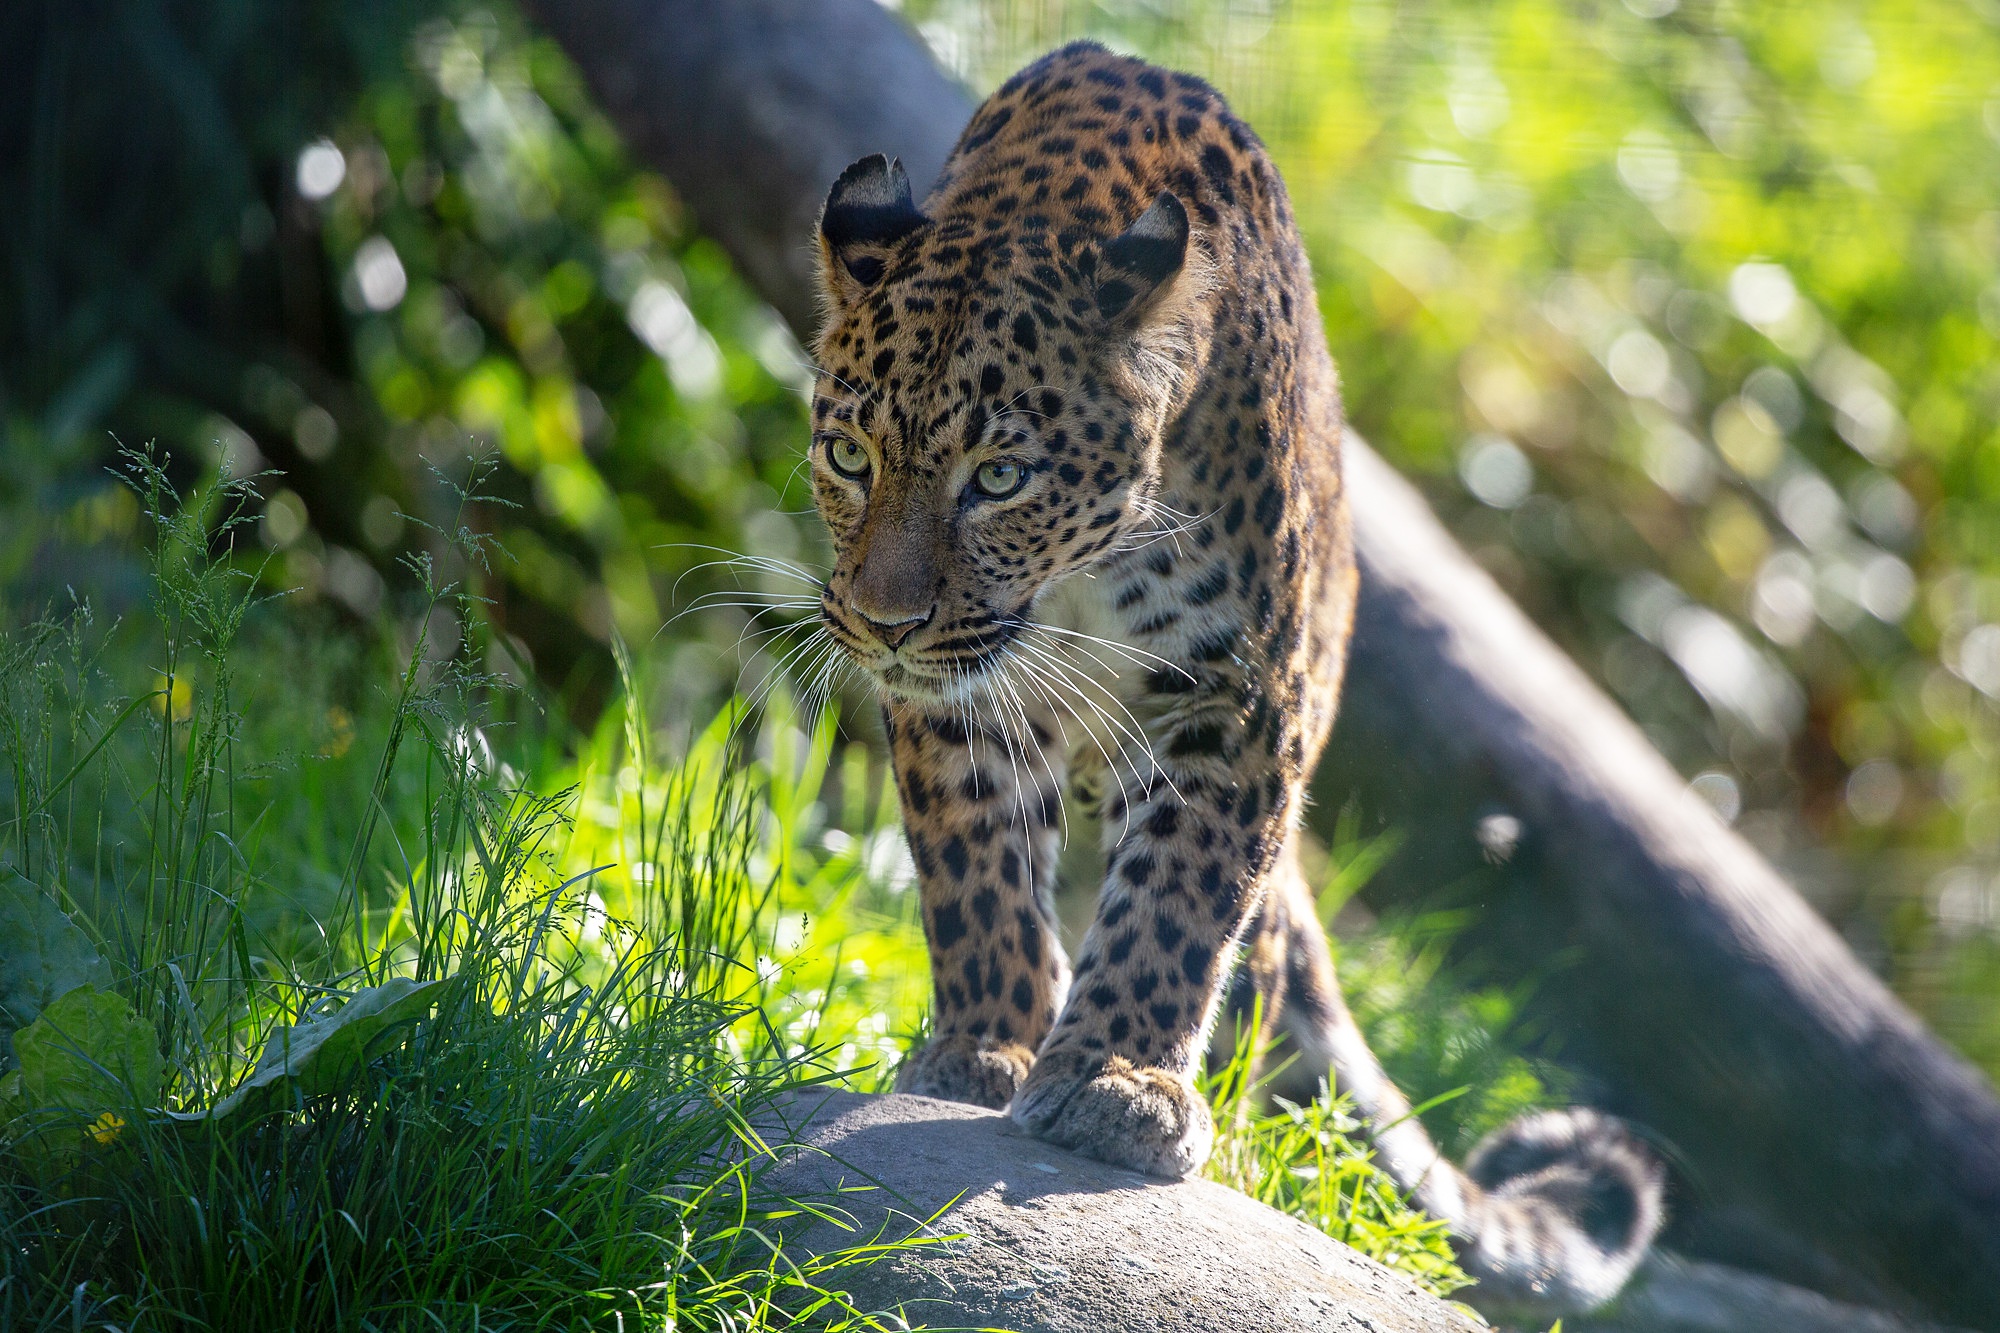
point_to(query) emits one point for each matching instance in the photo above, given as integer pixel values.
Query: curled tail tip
(1572, 1201)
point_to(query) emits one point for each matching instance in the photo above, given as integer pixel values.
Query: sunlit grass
(1312, 1162)
(823, 916)
(556, 1130)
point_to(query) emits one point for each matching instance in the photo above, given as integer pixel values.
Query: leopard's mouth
(959, 684)
(952, 669)
(956, 681)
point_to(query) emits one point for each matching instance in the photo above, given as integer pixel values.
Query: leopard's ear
(1139, 264)
(868, 213)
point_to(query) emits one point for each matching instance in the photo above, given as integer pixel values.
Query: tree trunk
(1724, 1012)
(1717, 1006)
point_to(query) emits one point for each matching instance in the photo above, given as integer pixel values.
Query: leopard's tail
(1550, 1215)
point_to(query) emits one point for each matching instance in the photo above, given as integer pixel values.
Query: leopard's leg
(981, 804)
(1253, 1006)
(1193, 843)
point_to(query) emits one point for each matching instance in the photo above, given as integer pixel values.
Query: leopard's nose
(893, 632)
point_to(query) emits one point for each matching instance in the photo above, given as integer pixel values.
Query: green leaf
(47, 955)
(324, 1054)
(88, 1052)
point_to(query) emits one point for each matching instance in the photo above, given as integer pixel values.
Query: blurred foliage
(1686, 315)
(431, 250)
(1682, 313)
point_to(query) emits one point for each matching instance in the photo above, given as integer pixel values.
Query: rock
(1057, 1243)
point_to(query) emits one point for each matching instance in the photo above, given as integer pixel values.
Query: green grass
(408, 1009)
(1309, 1160)
(550, 1128)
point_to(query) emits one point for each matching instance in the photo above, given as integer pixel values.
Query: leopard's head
(987, 416)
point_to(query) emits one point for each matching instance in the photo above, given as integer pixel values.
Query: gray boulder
(1057, 1243)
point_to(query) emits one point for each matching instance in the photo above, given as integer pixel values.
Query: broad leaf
(46, 954)
(89, 1052)
(324, 1054)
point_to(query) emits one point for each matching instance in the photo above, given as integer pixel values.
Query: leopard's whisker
(839, 670)
(825, 678)
(1007, 661)
(757, 611)
(960, 709)
(797, 653)
(769, 564)
(1128, 726)
(1136, 730)
(729, 556)
(736, 601)
(754, 700)
(1137, 656)
(739, 561)
(1007, 739)
(1060, 685)
(818, 691)
(1071, 648)
(1031, 750)
(1051, 688)
(751, 634)
(1048, 766)
(1181, 524)
(748, 596)
(805, 462)
(818, 369)
(967, 718)
(812, 643)
(1073, 677)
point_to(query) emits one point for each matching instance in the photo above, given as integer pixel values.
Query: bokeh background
(1684, 315)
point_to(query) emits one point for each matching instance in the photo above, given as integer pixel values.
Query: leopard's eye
(849, 459)
(999, 479)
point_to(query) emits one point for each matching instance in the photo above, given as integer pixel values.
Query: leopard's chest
(1084, 629)
(1094, 664)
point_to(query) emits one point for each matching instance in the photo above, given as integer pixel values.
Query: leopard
(1076, 438)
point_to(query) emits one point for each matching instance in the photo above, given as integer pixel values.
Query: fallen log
(1714, 1004)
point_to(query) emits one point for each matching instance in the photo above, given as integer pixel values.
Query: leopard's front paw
(1151, 1120)
(961, 1068)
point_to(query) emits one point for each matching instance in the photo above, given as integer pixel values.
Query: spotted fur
(1076, 438)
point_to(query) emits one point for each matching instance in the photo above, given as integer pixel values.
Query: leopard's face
(982, 429)
(956, 491)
